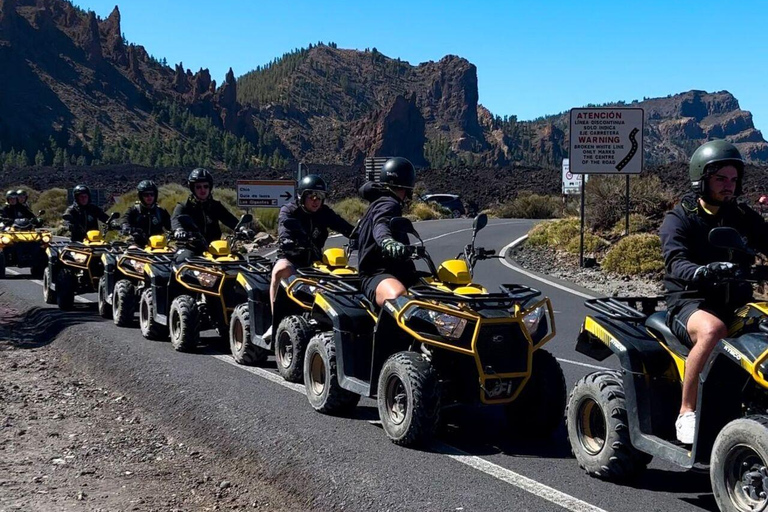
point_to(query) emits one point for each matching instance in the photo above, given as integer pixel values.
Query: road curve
(253, 416)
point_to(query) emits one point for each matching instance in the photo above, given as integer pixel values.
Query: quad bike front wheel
(184, 323)
(739, 465)
(539, 409)
(49, 296)
(105, 308)
(291, 339)
(123, 303)
(408, 398)
(65, 289)
(151, 329)
(321, 378)
(244, 351)
(598, 431)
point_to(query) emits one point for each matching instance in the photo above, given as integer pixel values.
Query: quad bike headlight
(205, 278)
(447, 325)
(46, 238)
(303, 287)
(533, 320)
(136, 265)
(5, 239)
(77, 257)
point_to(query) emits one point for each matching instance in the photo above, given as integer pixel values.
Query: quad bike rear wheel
(150, 328)
(408, 398)
(49, 296)
(598, 431)
(184, 323)
(291, 339)
(540, 407)
(65, 289)
(244, 351)
(2, 265)
(321, 378)
(105, 308)
(123, 303)
(739, 465)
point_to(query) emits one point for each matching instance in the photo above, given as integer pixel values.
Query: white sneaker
(686, 427)
(267, 336)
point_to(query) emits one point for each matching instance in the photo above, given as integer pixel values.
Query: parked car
(449, 201)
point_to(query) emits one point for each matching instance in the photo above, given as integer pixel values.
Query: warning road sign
(265, 193)
(606, 140)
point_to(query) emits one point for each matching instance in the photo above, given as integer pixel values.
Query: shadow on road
(39, 326)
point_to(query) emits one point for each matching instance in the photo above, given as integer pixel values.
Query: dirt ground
(67, 443)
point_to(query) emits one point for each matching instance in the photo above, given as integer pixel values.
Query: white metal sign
(265, 193)
(571, 182)
(606, 141)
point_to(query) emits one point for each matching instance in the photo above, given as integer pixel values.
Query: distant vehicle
(449, 201)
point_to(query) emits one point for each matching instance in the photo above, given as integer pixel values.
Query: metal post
(581, 242)
(626, 228)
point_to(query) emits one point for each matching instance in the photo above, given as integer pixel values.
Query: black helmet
(21, 192)
(144, 187)
(398, 172)
(11, 194)
(199, 175)
(708, 158)
(311, 183)
(81, 189)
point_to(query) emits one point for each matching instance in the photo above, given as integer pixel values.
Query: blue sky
(533, 58)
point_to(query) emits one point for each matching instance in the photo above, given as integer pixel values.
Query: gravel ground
(566, 266)
(67, 443)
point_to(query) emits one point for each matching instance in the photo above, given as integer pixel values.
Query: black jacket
(301, 235)
(144, 222)
(206, 215)
(17, 211)
(373, 229)
(85, 218)
(685, 246)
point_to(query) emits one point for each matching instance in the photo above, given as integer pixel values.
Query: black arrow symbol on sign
(287, 195)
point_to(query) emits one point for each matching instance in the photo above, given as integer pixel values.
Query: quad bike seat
(657, 325)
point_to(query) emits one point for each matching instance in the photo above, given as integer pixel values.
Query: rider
(204, 210)
(22, 208)
(11, 202)
(83, 216)
(146, 218)
(699, 303)
(303, 229)
(383, 261)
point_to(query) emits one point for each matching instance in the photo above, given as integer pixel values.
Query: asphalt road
(348, 463)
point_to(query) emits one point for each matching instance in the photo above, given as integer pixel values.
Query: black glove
(180, 235)
(714, 271)
(394, 249)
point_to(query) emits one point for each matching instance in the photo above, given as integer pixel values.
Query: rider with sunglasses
(146, 218)
(303, 229)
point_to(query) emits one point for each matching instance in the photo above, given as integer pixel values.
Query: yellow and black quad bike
(619, 420)
(291, 323)
(448, 341)
(23, 244)
(181, 299)
(76, 267)
(121, 285)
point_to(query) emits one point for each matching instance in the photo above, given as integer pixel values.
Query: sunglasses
(316, 196)
(202, 186)
(148, 194)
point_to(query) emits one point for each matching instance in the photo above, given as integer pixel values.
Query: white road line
(470, 229)
(261, 372)
(504, 262)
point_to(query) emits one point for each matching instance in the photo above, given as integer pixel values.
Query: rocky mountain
(71, 79)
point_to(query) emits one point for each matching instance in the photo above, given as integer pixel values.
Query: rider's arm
(26, 213)
(382, 214)
(100, 214)
(165, 219)
(337, 223)
(225, 216)
(675, 247)
(177, 212)
(129, 219)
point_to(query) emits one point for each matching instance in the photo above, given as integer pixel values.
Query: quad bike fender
(256, 287)
(284, 305)
(157, 278)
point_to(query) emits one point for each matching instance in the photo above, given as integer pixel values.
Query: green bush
(267, 217)
(638, 223)
(427, 211)
(54, 202)
(351, 208)
(556, 234)
(606, 199)
(593, 244)
(635, 254)
(530, 206)
(538, 235)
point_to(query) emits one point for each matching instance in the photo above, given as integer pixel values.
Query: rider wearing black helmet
(146, 218)
(11, 202)
(384, 265)
(699, 303)
(22, 209)
(83, 216)
(303, 229)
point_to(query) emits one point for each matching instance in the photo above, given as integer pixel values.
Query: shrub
(638, 223)
(635, 254)
(54, 202)
(592, 244)
(530, 206)
(606, 195)
(538, 235)
(351, 209)
(267, 217)
(561, 232)
(427, 211)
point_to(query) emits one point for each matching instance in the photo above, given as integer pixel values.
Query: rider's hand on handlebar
(180, 235)
(394, 249)
(246, 233)
(714, 271)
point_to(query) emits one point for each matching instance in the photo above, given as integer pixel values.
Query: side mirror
(114, 216)
(41, 213)
(480, 222)
(728, 238)
(67, 217)
(402, 225)
(245, 219)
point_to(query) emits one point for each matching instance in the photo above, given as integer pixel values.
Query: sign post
(265, 193)
(605, 141)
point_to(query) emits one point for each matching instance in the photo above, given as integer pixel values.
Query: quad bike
(121, 285)
(181, 299)
(619, 420)
(291, 323)
(448, 341)
(74, 268)
(23, 245)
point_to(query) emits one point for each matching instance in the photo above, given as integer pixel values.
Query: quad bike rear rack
(510, 295)
(314, 273)
(625, 309)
